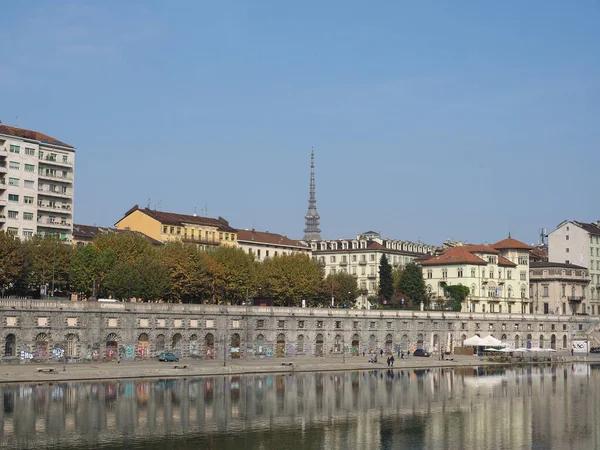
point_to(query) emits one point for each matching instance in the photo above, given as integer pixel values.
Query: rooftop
(264, 237)
(546, 264)
(32, 135)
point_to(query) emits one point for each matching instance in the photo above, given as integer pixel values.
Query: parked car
(168, 357)
(421, 352)
(595, 350)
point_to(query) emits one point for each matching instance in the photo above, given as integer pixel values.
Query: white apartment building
(360, 257)
(497, 276)
(36, 184)
(579, 243)
(559, 288)
(264, 245)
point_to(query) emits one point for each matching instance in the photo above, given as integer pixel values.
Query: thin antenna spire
(312, 232)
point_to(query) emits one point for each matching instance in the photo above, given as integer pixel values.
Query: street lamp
(53, 266)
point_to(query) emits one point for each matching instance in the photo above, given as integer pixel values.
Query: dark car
(168, 357)
(595, 350)
(421, 352)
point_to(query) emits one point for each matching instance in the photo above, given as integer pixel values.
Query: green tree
(47, 263)
(289, 279)
(412, 283)
(189, 272)
(146, 279)
(458, 294)
(386, 283)
(344, 288)
(11, 261)
(233, 274)
(89, 266)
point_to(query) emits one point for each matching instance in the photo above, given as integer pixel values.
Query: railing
(576, 299)
(61, 194)
(61, 209)
(196, 240)
(50, 223)
(56, 177)
(50, 160)
(362, 263)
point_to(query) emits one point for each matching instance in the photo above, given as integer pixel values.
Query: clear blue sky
(429, 120)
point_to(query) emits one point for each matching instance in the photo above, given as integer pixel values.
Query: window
(29, 168)
(463, 326)
(13, 198)
(332, 259)
(29, 184)
(11, 321)
(523, 275)
(516, 326)
(388, 325)
(71, 321)
(371, 325)
(236, 323)
(27, 216)
(429, 273)
(460, 272)
(15, 149)
(338, 324)
(444, 273)
(42, 322)
(508, 275)
(260, 323)
(210, 323)
(319, 324)
(29, 151)
(280, 323)
(355, 325)
(14, 165)
(160, 323)
(301, 324)
(41, 155)
(372, 258)
(13, 214)
(65, 158)
(472, 273)
(491, 273)
(567, 250)
(12, 231)
(193, 323)
(27, 232)
(143, 323)
(165, 228)
(13, 181)
(483, 273)
(26, 199)
(545, 290)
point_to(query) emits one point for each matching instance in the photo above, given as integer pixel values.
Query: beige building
(360, 257)
(579, 243)
(559, 288)
(497, 276)
(36, 184)
(205, 232)
(264, 245)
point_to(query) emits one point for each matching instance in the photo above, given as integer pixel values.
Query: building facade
(360, 257)
(37, 175)
(497, 276)
(579, 243)
(205, 232)
(558, 288)
(46, 330)
(264, 245)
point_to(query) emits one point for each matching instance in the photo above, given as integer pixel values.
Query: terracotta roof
(89, 232)
(502, 261)
(539, 254)
(264, 237)
(33, 135)
(589, 227)
(479, 249)
(168, 218)
(455, 255)
(510, 243)
(546, 264)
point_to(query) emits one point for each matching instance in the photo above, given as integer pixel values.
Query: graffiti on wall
(25, 355)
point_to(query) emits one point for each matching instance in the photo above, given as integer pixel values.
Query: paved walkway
(30, 372)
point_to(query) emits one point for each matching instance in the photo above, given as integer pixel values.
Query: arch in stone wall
(541, 340)
(209, 346)
(176, 344)
(564, 339)
(372, 343)
(553, 342)
(517, 341)
(319, 345)
(404, 343)
(160, 343)
(503, 338)
(355, 345)
(436, 341)
(10, 345)
(389, 344)
(236, 343)
(463, 338)
(193, 346)
(529, 339)
(41, 346)
(71, 342)
(112, 346)
(143, 349)
(280, 345)
(259, 345)
(337, 344)
(419, 341)
(300, 344)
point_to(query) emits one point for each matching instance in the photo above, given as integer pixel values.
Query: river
(532, 407)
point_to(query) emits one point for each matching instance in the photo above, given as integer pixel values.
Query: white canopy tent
(491, 341)
(474, 341)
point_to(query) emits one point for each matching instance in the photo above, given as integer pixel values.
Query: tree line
(125, 265)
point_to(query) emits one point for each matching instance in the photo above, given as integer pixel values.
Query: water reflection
(471, 408)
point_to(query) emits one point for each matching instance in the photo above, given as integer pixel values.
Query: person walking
(392, 361)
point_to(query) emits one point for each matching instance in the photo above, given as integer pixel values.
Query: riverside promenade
(32, 372)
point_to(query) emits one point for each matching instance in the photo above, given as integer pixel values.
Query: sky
(430, 120)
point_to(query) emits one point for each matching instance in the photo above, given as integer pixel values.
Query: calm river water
(537, 407)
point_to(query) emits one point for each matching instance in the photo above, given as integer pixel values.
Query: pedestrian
(388, 361)
(381, 352)
(402, 355)
(408, 354)
(363, 353)
(571, 351)
(392, 361)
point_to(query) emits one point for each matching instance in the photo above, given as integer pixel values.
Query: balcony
(2, 218)
(576, 299)
(343, 263)
(198, 240)
(55, 177)
(362, 263)
(2, 184)
(42, 191)
(372, 276)
(3, 168)
(56, 209)
(54, 224)
(51, 161)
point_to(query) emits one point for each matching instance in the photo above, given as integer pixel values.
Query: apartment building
(264, 245)
(360, 257)
(36, 184)
(205, 232)
(578, 243)
(559, 288)
(497, 276)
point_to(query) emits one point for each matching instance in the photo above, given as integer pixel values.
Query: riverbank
(32, 372)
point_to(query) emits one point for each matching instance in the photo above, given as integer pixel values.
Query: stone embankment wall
(46, 330)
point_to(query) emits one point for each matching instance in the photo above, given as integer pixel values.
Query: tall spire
(312, 232)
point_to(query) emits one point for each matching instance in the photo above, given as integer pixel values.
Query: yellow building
(206, 232)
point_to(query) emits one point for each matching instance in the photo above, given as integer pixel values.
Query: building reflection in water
(470, 408)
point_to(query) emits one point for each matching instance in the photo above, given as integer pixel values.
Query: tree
(343, 287)
(458, 293)
(412, 283)
(234, 274)
(189, 272)
(386, 283)
(89, 266)
(145, 278)
(289, 279)
(47, 263)
(11, 261)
